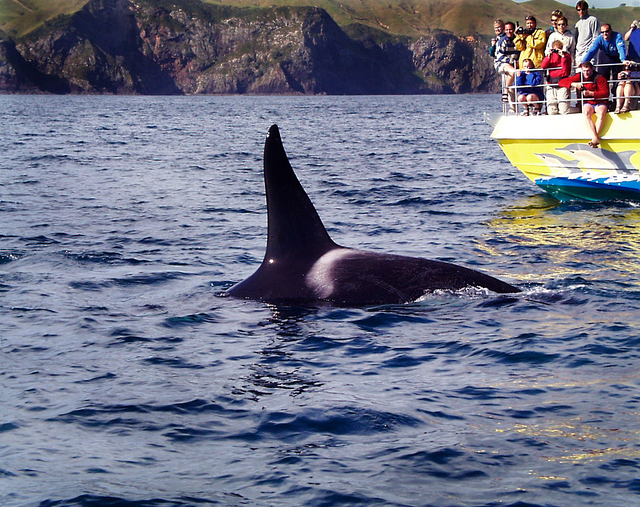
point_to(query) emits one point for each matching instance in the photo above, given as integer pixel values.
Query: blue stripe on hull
(597, 189)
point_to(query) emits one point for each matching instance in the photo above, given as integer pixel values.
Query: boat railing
(510, 93)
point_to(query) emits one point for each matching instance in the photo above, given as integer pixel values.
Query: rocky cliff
(191, 47)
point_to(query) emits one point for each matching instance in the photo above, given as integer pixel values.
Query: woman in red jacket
(595, 94)
(559, 61)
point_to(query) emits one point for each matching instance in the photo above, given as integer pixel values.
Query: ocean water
(127, 379)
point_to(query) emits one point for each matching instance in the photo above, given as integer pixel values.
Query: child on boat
(529, 86)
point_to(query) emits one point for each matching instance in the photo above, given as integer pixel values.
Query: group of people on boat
(541, 67)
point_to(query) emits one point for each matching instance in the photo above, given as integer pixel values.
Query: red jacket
(555, 60)
(599, 86)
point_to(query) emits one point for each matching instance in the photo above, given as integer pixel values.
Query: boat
(553, 152)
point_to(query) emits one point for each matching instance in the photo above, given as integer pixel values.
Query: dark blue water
(126, 380)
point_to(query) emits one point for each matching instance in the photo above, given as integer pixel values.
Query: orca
(303, 264)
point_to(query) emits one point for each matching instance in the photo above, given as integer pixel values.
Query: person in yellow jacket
(530, 41)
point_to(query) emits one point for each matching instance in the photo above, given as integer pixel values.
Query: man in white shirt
(586, 30)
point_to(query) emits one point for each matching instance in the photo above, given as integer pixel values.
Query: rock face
(190, 47)
(460, 66)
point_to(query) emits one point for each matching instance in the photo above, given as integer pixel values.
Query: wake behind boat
(553, 151)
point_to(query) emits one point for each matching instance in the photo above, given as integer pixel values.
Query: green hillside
(18, 17)
(411, 18)
(462, 17)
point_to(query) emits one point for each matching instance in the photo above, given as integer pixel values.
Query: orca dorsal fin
(302, 263)
(294, 227)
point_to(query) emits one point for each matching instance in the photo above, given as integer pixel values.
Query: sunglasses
(605, 31)
(562, 24)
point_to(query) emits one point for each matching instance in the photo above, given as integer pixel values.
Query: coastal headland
(245, 47)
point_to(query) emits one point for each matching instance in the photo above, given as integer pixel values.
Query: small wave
(498, 302)
(440, 457)
(173, 362)
(30, 309)
(336, 498)
(189, 320)
(148, 279)
(439, 414)
(480, 393)
(265, 380)
(110, 501)
(522, 356)
(103, 258)
(7, 257)
(106, 376)
(351, 194)
(141, 416)
(8, 427)
(124, 336)
(410, 202)
(470, 292)
(9, 207)
(40, 240)
(447, 464)
(439, 212)
(155, 241)
(335, 421)
(6, 473)
(191, 434)
(390, 319)
(88, 285)
(38, 158)
(229, 210)
(130, 339)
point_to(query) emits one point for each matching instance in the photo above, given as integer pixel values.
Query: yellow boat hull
(553, 152)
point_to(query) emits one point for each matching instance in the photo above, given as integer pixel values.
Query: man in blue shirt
(610, 48)
(633, 36)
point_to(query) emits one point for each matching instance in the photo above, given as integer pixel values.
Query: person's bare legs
(509, 79)
(534, 103)
(596, 127)
(601, 111)
(620, 96)
(522, 100)
(628, 91)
